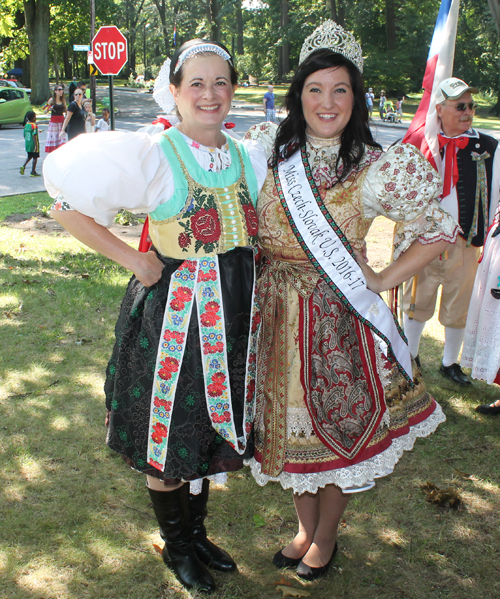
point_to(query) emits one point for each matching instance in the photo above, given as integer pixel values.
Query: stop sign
(110, 51)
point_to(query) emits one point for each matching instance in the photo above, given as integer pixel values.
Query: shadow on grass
(76, 523)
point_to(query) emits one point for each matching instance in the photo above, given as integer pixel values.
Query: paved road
(136, 109)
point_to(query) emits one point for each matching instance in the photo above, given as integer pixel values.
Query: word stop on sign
(111, 50)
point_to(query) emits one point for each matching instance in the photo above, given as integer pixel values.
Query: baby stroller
(390, 115)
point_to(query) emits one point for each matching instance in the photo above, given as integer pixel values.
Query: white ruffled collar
(210, 159)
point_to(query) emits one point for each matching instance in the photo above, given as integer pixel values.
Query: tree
(37, 14)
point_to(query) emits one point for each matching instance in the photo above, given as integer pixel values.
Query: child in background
(31, 143)
(103, 124)
(399, 108)
(90, 122)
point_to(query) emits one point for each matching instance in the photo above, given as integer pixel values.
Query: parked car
(14, 105)
(14, 83)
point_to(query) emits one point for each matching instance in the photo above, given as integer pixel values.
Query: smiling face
(204, 95)
(454, 122)
(327, 101)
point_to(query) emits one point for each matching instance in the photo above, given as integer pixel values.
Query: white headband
(190, 52)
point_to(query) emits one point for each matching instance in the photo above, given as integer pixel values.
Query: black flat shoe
(490, 410)
(282, 561)
(309, 573)
(455, 373)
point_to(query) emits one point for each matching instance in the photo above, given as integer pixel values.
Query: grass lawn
(76, 522)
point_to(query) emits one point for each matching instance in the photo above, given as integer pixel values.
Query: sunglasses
(59, 89)
(462, 106)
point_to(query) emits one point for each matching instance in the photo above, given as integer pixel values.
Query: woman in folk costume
(180, 382)
(338, 399)
(481, 352)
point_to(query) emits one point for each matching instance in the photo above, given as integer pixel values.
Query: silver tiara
(333, 37)
(194, 50)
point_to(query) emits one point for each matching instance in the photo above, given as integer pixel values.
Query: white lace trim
(218, 479)
(359, 474)
(298, 423)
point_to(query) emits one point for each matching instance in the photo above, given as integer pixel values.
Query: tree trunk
(239, 29)
(68, 72)
(390, 19)
(56, 65)
(285, 48)
(37, 14)
(162, 13)
(215, 24)
(495, 11)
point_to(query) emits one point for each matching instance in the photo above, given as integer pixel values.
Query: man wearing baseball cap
(470, 168)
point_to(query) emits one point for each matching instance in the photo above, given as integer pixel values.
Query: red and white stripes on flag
(424, 127)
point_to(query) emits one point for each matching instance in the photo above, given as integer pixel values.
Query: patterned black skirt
(195, 449)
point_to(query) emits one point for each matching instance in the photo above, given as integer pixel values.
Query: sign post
(110, 53)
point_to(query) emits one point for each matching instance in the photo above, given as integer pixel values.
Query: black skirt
(195, 449)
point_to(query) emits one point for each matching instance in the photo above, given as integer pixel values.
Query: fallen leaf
(283, 581)
(448, 498)
(83, 341)
(85, 275)
(51, 291)
(258, 521)
(292, 591)
(157, 548)
(463, 475)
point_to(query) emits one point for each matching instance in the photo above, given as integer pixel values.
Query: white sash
(326, 247)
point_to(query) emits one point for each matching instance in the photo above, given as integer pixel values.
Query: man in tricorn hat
(470, 167)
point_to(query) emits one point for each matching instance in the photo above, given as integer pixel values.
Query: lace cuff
(435, 224)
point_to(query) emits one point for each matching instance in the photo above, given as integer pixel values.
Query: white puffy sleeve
(98, 175)
(403, 186)
(258, 158)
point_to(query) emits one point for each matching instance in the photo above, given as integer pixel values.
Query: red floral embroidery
(411, 168)
(257, 319)
(184, 240)
(226, 417)
(163, 403)
(213, 349)
(251, 389)
(400, 150)
(390, 186)
(206, 226)
(183, 294)
(211, 275)
(209, 318)
(216, 387)
(178, 337)
(385, 166)
(412, 195)
(251, 219)
(177, 305)
(430, 177)
(156, 464)
(169, 365)
(160, 432)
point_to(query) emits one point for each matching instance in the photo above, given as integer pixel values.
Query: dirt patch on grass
(36, 224)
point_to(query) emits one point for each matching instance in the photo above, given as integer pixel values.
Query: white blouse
(100, 175)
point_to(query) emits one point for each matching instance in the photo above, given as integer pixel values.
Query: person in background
(399, 108)
(72, 87)
(103, 123)
(90, 119)
(31, 143)
(57, 106)
(80, 85)
(381, 105)
(469, 163)
(269, 106)
(76, 117)
(370, 98)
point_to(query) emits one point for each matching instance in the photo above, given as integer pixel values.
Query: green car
(14, 105)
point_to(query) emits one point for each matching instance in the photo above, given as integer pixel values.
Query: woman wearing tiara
(338, 399)
(180, 382)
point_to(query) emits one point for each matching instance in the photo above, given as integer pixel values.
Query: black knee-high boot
(172, 512)
(208, 552)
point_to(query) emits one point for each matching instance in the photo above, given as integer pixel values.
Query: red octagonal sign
(109, 50)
